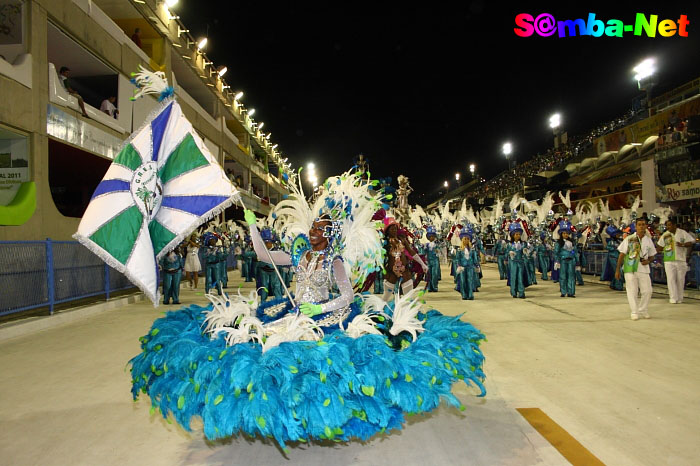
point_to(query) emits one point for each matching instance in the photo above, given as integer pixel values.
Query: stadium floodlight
(268, 136)
(644, 69)
(260, 126)
(238, 95)
(171, 3)
(446, 184)
(472, 167)
(555, 121)
(251, 112)
(275, 146)
(202, 43)
(222, 71)
(507, 149)
(457, 176)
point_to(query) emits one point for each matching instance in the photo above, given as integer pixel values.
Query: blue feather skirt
(339, 388)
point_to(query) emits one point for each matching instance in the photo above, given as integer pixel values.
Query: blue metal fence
(36, 274)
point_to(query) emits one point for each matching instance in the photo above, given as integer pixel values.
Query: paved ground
(626, 390)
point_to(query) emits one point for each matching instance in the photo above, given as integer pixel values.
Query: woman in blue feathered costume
(314, 365)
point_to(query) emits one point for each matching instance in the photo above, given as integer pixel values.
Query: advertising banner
(679, 191)
(14, 164)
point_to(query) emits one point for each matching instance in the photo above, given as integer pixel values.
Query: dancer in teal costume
(465, 266)
(530, 257)
(268, 280)
(223, 267)
(516, 262)
(565, 260)
(248, 262)
(172, 265)
(543, 256)
(611, 244)
(211, 267)
(242, 376)
(581, 262)
(501, 249)
(431, 252)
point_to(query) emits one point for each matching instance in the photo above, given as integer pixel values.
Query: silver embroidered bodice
(315, 279)
(313, 283)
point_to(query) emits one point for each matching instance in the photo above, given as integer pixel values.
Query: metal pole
(106, 281)
(274, 266)
(49, 274)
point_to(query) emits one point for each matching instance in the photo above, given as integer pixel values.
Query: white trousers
(638, 282)
(675, 278)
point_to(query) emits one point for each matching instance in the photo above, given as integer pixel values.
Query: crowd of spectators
(511, 181)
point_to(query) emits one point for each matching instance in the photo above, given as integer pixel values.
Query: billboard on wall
(14, 164)
(678, 191)
(640, 131)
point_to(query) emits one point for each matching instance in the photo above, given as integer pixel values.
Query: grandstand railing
(38, 274)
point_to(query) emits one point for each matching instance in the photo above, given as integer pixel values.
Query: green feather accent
(368, 390)
(237, 392)
(218, 399)
(409, 378)
(261, 421)
(322, 375)
(249, 387)
(388, 382)
(264, 396)
(181, 402)
(326, 402)
(155, 331)
(293, 369)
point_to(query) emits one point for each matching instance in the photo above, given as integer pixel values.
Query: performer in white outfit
(637, 252)
(674, 244)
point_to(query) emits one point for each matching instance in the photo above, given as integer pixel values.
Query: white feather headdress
(351, 203)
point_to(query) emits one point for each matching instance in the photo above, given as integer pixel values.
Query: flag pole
(274, 266)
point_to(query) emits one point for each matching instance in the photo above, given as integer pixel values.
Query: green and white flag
(163, 184)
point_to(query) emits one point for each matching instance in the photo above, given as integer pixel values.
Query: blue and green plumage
(339, 388)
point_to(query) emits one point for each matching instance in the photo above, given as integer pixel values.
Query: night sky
(425, 91)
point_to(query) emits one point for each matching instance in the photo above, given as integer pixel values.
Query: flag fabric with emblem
(161, 186)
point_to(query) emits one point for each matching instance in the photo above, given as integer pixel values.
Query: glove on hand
(578, 268)
(556, 266)
(250, 218)
(459, 270)
(310, 310)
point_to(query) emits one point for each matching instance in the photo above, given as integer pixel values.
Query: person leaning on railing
(64, 75)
